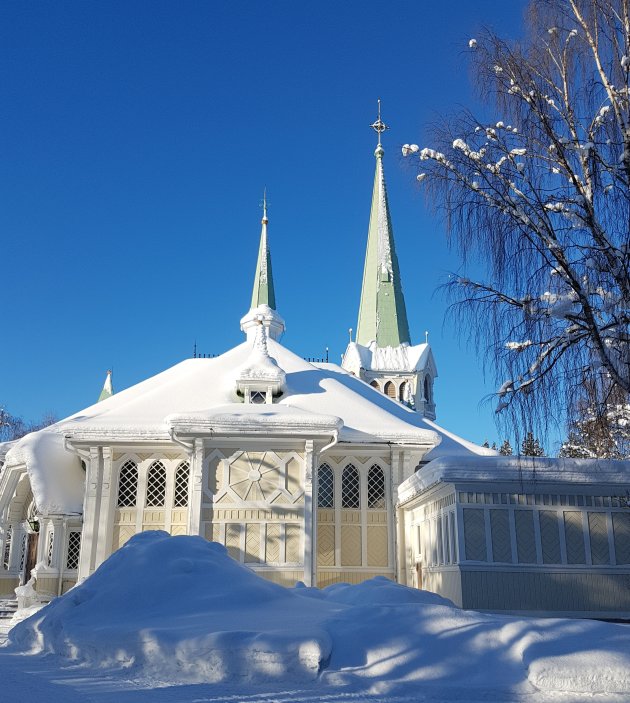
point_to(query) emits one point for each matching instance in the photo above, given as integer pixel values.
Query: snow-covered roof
(200, 394)
(401, 358)
(521, 469)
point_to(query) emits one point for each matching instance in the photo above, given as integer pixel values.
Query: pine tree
(506, 448)
(531, 446)
(486, 445)
(600, 433)
(494, 446)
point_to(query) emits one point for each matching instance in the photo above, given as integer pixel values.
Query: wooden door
(31, 556)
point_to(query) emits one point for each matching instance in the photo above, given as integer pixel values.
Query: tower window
(402, 391)
(258, 397)
(390, 390)
(374, 384)
(427, 389)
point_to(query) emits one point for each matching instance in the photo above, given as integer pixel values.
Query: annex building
(316, 472)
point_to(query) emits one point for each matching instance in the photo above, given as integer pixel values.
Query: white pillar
(309, 515)
(196, 489)
(105, 529)
(90, 514)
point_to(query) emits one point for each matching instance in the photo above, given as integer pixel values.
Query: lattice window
(350, 488)
(128, 485)
(326, 487)
(49, 548)
(374, 384)
(156, 485)
(7, 547)
(376, 488)
(74, 549)
(390, 389)
(181, 485)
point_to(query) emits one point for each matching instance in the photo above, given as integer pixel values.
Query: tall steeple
(382, 354)
(382, 312)
(264, 293)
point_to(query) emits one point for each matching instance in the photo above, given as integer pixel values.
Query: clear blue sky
(136, 139)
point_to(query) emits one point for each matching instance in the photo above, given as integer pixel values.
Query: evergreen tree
(531, 446)
(600, 433)
(486, 445)
(506, 448)
(494, 446)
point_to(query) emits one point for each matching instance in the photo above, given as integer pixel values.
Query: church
(316, 472)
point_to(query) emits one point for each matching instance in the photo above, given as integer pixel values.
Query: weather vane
(379, 126)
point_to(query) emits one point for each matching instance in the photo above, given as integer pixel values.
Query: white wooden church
(316, 472)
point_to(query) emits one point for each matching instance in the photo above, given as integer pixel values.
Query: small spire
(108, 389)
(263, 293)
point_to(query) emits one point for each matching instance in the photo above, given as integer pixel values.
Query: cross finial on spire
(264, 207)
(379, 126)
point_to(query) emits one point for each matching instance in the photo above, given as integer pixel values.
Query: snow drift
(179, 610)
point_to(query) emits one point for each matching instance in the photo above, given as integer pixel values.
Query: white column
(310, 511)
(397, 529)
(90, 514)
(196, 489)
(106, 510)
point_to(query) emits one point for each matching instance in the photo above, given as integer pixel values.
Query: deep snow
(166, 611)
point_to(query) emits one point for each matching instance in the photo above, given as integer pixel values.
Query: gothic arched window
(402, 391)
(427, 388)
(374, 384)
(181, 485)
(128, 485)
(350, 488)
(376, 488)
(390, 389)
(326, 487)
(156, 485)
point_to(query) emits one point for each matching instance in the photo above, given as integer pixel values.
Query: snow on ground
(175, 619)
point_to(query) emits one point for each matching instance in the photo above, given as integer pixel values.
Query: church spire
(263, 307)
(264, 293)
(382, 312)
(108, 389)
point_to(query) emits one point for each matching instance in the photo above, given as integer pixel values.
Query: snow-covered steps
(8, 607)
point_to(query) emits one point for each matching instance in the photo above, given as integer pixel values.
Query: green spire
(382, 313)
(108, 389)
(263, 280)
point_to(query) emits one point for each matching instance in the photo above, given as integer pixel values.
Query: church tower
(383, 354)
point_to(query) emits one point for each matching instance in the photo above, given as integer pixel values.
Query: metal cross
(379, 126)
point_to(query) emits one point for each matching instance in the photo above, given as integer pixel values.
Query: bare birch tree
(541, 196)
